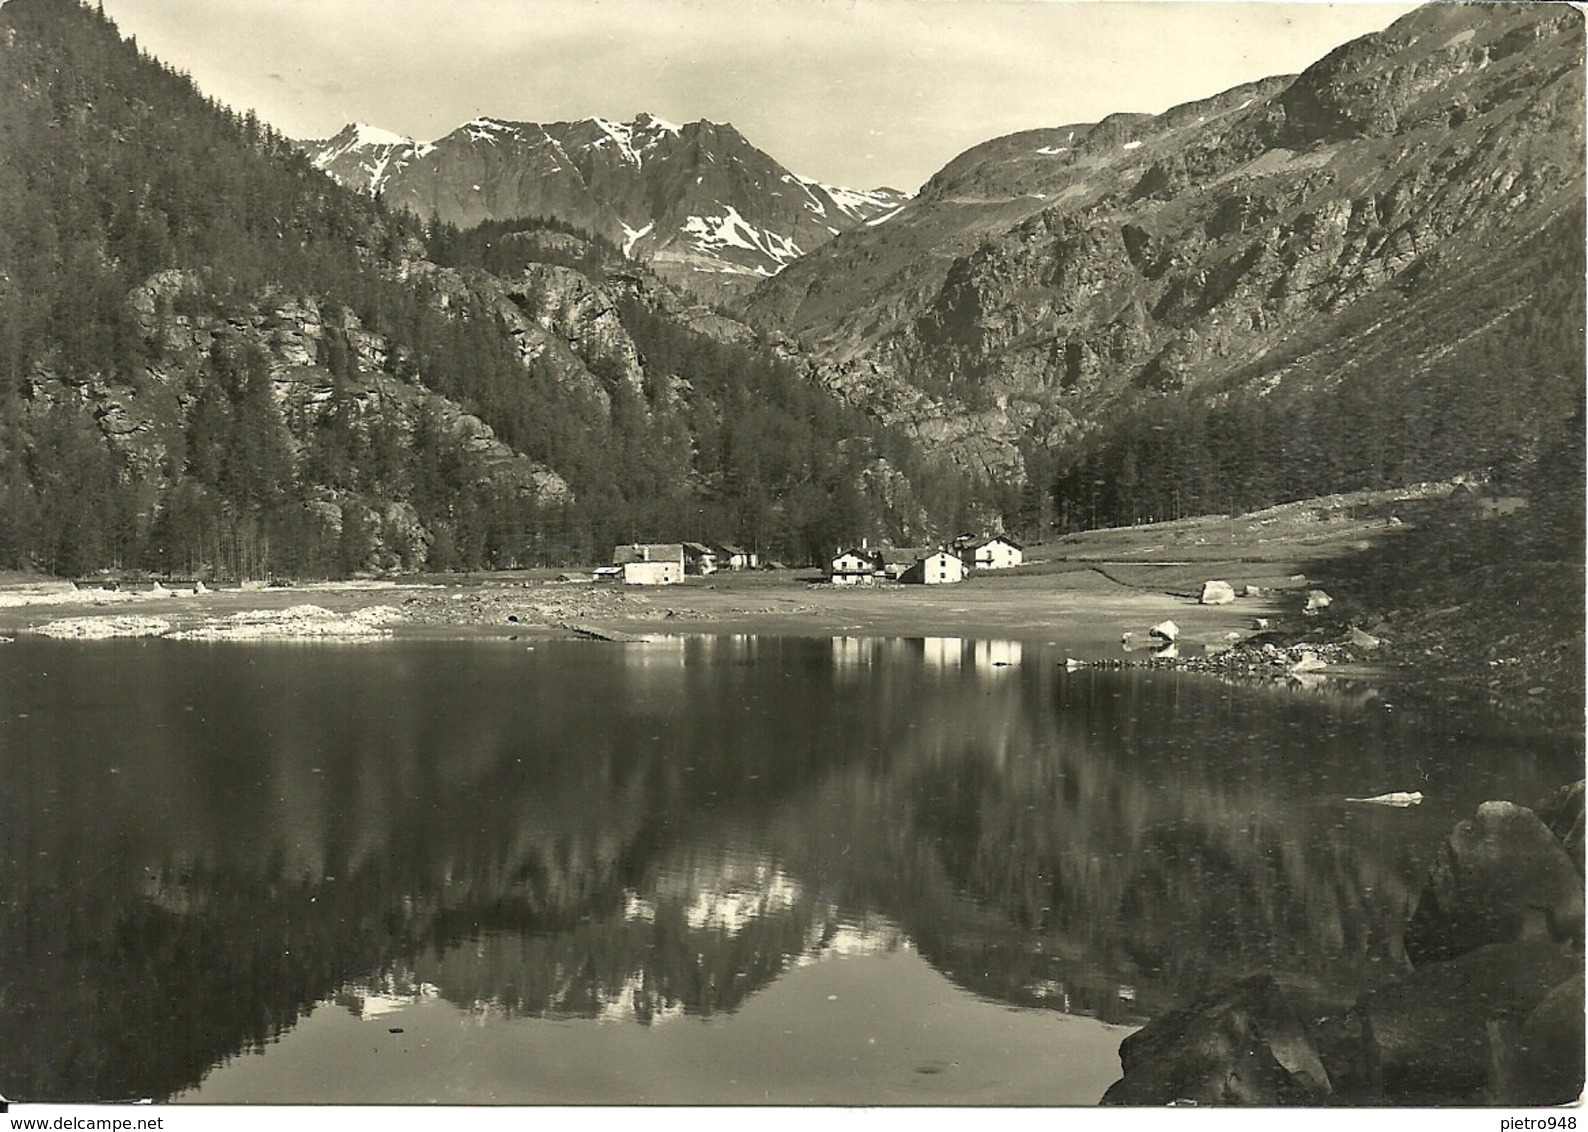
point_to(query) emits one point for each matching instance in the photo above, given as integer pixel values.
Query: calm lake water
(710, 870)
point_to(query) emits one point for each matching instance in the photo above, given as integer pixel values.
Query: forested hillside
(214, 358)
(1496, 408)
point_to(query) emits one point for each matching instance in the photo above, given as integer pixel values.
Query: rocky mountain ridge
(1268, 236)
(699, 202)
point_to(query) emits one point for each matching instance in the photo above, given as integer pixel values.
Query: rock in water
(1444, 1034)
(1500, 877)
(1244, 1045)
(1217, 593)
(1549, 1061)
(1309, 662)
(1164, 631)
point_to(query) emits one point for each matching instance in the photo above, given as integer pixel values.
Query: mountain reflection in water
(206, 843)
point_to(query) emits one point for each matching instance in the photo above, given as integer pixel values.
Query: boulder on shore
(1447, 1033)
(1492, 1013)
(1500, 877)
(1549, 1050)
(1217, 593)
(1243, 1045)
(1316, 600)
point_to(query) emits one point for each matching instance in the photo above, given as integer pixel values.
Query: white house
(699, 559)
(996, 553)
(935, 569)
(651, 564)
(738, 558)
(855, 568)
(653, 573)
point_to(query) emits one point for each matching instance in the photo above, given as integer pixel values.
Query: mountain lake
(696, 870)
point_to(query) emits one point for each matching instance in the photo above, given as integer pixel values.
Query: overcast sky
(855, 92)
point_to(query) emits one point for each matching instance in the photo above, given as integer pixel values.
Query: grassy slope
(1467, 607)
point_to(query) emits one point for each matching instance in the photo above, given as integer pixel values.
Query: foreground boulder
(1164, 631)
(1492, 1014)
(1549, 1050)
(1448, 1033)
(1244, 1045)
(1500, 877)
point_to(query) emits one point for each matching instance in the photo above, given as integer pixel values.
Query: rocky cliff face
(705, 207)
(1282, 232)
(147, 421)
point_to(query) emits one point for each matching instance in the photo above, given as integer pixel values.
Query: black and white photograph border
(850, 559)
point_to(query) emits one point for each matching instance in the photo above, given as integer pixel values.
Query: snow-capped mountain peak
(364, 134)
(364, 155)
(699, 202)
(489, 129)
(647, 121)
(356, 136)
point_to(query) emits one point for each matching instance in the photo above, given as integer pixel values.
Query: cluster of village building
(662, 564)
(931, 566)
(666, 563)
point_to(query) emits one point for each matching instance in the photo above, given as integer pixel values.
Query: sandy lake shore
(1083, 610)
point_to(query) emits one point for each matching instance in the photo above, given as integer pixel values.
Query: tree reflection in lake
(205, 842)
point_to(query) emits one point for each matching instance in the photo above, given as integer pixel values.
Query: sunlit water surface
(705, 870)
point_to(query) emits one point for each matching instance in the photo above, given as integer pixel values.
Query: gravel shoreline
(1090, 616)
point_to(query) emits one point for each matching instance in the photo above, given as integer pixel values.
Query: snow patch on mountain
(857, 204)
(661, 125)
(562, 154)
(731, 230)
(860, 203)
(354, 136)
(488, 129)
(632, 236)
(374, 152)
(365, 134)
(622, 133)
